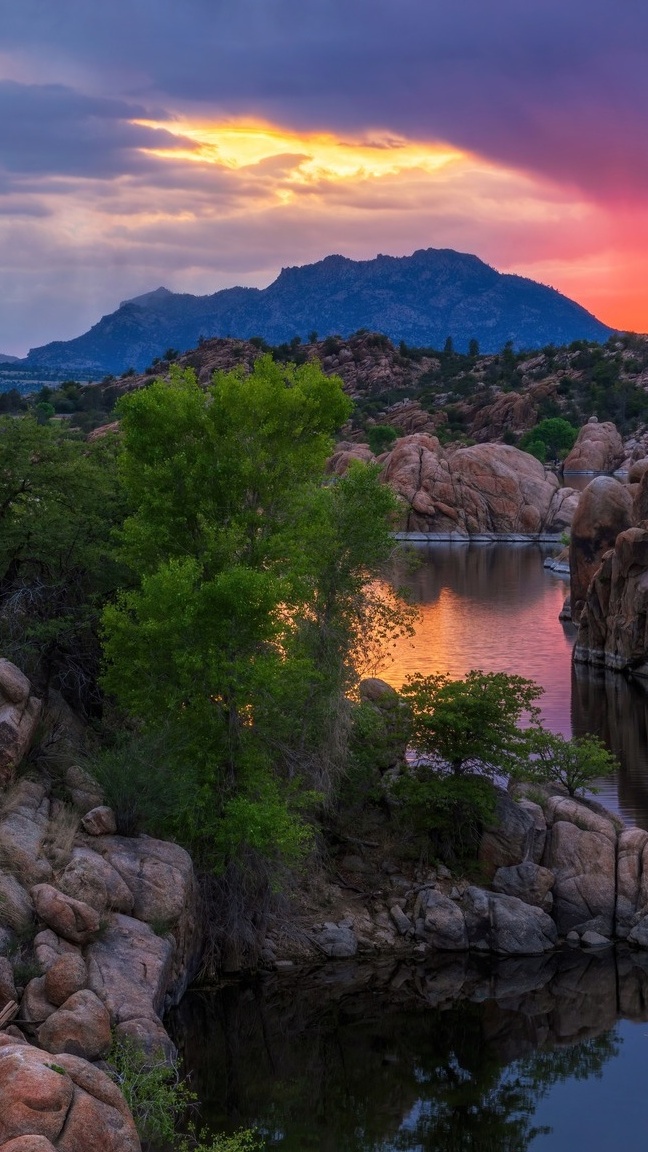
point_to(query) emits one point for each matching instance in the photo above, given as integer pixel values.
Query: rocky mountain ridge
(425, 298)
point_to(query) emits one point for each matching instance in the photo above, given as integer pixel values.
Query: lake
(496, 607)
(460, 1053)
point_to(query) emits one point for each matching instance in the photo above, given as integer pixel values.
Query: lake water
(460, 1054)
(547, 1054)
(496, 607)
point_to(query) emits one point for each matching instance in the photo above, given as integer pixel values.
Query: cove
(496, 607)
(464, 1055)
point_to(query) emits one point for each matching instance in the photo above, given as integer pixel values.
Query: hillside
(457, 396)
(422, 299)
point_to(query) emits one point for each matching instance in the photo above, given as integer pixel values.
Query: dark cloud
(53, 130)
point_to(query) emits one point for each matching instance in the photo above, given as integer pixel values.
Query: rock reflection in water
(361, 1058)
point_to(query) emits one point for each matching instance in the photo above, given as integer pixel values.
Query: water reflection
(344, 1059)
(496, 607)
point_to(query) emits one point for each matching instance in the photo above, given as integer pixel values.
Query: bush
(381, 438)
(139, 777)
(159, 1099)
(575, 764)
(444, 815)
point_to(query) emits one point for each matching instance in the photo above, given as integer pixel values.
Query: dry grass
(61, 832)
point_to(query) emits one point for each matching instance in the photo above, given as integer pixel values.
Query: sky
(200, 144)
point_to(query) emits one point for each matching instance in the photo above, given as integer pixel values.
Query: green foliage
(159, 1100)
(551, 438)
(138, 774)
(472, 724)
(575, 764)
(59, 501)
(254, 587)
(381, 437)
(445, 815)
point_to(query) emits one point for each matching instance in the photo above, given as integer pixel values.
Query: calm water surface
(546, 1054)
(495, 607)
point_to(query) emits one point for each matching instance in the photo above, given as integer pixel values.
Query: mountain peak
(420, 299)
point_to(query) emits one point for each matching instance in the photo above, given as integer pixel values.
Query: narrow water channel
(547, 1054)
(496, 607)
(462, 1053)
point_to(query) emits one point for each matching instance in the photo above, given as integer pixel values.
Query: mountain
(420, 299)
(6, 359)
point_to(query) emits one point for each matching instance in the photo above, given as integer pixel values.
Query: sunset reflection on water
(495, 607)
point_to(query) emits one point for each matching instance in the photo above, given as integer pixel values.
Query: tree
(59, 501)
(252, 580)
(575, 764)
(473, 724)
(381, 438)
(552, 437)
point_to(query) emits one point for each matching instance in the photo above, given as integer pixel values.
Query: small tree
(473, 724)
(381, 438)
(573, 763)
(552, 438)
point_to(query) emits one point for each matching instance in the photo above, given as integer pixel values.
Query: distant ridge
(5, 359)
(421, 299)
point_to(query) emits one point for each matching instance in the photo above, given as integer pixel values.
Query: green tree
(252, 589)
(575, 764)
(553, 435)
(473, 724)
(59, 501)
(381, 438)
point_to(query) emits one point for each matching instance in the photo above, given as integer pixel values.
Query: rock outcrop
(489, 488)
(598, 448)
(604, 510)
(64, 1104)
(613, 630)
(20, 711)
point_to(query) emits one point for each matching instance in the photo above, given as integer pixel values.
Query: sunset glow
(204, 149)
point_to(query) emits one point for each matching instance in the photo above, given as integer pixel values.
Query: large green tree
(253, 579)
(59, 501)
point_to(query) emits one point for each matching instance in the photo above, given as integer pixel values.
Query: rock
(28, 1144)
(91, 878)
(604, 510)
(506, 925)
(511, 837)
(35, 1099)
(23, 830)
(49, 947)
(372, 690)
(7, 985)
(583, 862)
(640, 500)
(129, 969)
(335, 941)
(34, 1006)
(488, 488)
(99, 1116)
(630, 871)
(572, 938)
(81, 1026)
(404, 925)
(84, 790)
(14, 685)
(99, 821)
(444, 926)
(161, 878)
(16, 909)
(595, 940)
(72, 919)
(528, 881)
(639, 933)
(344, 455)
(66, 976)
(539, 827)
(19, 715)
(613, 629)
(598, 448)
